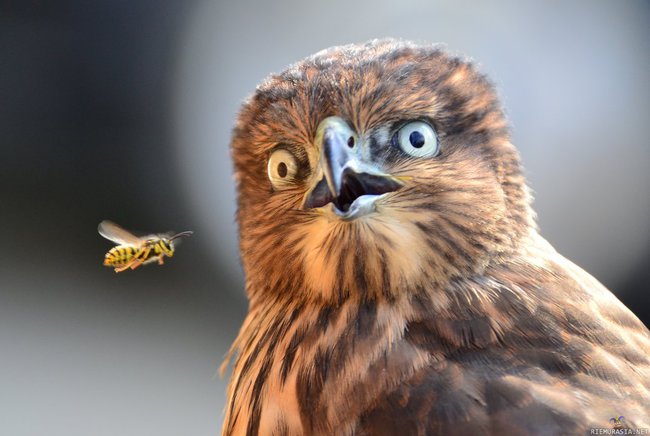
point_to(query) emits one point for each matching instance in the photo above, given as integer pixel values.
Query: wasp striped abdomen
(134, 251)
(120, 255)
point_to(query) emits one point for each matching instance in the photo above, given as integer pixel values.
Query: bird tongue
(351, 189)
(353, 186)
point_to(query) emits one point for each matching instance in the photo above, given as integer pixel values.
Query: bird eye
(282, 168)
(417, 139)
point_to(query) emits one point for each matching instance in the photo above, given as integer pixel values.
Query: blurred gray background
(123, 110)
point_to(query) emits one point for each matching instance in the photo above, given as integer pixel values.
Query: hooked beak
(351, 182)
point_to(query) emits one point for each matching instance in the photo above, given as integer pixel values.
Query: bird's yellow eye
(417, 139)
(282, 168)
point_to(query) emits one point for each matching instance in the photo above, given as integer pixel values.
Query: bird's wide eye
(282, 168)
(417, 139)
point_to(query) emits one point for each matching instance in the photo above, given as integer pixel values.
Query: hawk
(397, 282)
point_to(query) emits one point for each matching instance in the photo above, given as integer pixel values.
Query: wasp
(134, 251)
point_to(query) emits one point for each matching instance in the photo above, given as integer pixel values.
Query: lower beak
(348, 179)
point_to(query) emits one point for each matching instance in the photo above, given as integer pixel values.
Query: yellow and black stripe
(121, 255)
(133, 251)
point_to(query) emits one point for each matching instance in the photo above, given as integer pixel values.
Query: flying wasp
(134, 251)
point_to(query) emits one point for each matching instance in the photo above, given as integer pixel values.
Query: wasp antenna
(181, 234)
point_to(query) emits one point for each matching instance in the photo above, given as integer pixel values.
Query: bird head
(369, 169)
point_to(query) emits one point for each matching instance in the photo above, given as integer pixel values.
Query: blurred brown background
(123, 110)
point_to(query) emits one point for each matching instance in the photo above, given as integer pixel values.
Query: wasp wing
(117, 234)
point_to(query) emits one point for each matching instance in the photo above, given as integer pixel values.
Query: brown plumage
(398, 290)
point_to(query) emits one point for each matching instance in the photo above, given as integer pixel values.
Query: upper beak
(347, 170)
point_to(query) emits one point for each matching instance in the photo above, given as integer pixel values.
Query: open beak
(351, 183)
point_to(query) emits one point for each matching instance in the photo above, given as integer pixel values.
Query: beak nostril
(344, 180)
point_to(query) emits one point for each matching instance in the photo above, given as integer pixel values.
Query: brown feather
(444, 311)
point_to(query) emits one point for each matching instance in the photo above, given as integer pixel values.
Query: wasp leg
(139, 258)
(161, 260)
(123, 268)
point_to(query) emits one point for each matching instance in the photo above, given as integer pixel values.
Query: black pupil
(417, 139)
(282, 169)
